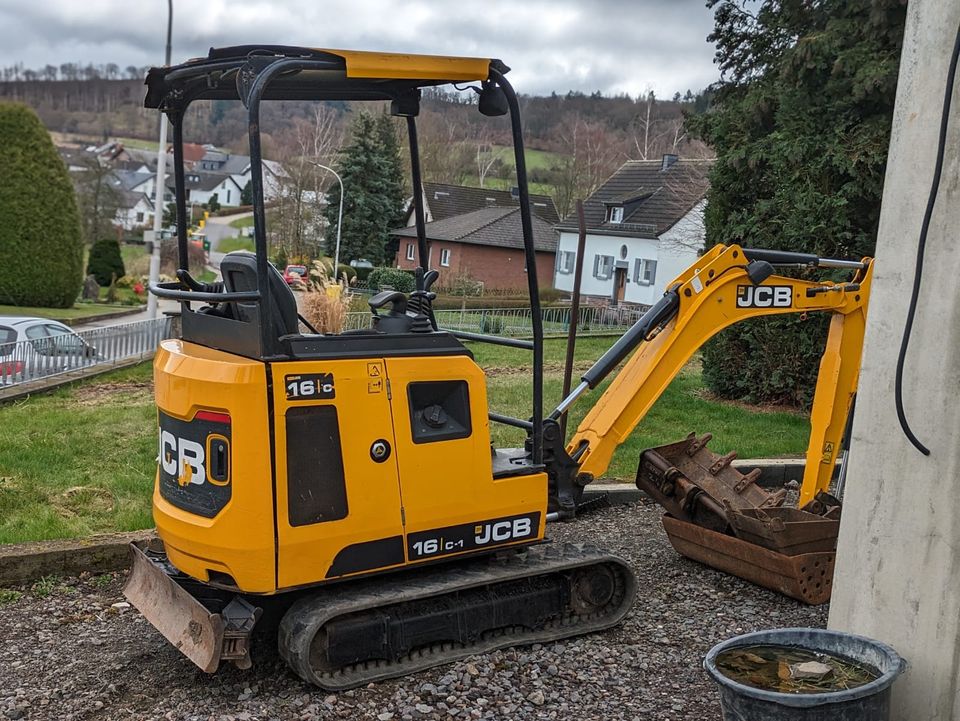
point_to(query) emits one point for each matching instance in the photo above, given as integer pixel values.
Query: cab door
(338, 496)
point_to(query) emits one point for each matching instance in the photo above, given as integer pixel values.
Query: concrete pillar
(898, 560)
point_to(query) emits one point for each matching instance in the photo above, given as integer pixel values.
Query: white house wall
(673, 251)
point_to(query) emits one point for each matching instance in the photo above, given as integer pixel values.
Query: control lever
(421, 301)
(397, 300)
(195, 285)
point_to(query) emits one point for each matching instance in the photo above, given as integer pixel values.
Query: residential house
(644, 226)
(475, 234)
(135, 190)
(201, 186)
(441, 201)
(484, 245)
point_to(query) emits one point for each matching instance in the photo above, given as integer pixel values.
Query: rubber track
(304, 619)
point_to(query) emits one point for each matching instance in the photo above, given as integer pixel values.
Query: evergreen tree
(373, 192)
(246, 195)
(105, 262)
(800, 124)
(41, 245)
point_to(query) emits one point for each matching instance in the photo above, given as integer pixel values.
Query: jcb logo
(502, 531)
(764, 296)
(182, 459)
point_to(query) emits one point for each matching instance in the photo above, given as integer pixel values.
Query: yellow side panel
(450, 482)
(358, 392)
(363, 64)
(239, 540)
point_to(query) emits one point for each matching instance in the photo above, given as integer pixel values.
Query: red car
(295, 274)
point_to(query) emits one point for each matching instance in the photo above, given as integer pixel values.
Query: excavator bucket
(178, 616)
(807, 577)
(721, 518)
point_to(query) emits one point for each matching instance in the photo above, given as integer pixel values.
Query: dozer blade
(178, 616)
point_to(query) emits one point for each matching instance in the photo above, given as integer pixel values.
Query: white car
(34, 347)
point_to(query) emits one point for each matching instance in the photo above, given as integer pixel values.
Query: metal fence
(516, 322)
(80, 351)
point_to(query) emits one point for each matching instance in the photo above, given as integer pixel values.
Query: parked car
(33, 347)
(295, 274)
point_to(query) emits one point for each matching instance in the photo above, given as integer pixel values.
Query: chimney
(668, 160)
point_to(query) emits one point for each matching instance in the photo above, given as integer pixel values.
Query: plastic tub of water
(869, 700)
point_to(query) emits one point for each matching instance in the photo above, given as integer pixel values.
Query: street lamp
(158, 190)
(336, 256)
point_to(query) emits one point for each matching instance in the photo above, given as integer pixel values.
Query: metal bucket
(870, 702)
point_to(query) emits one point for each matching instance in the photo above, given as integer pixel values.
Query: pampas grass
(327, 300)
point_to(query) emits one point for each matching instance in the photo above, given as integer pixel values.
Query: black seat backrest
(239, 270)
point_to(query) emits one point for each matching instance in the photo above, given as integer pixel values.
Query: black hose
(921, 247)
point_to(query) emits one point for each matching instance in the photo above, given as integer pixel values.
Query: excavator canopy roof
(323, 74)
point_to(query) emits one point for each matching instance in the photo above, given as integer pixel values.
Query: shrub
(492, 324)
(347, 271)
(105, 263)
(169, 257)
(40, 236)
(552, 295)
(394, 277)
(769, 360)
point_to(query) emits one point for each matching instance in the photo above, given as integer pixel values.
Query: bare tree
(592, 152)
(444, 156)
(685, 184)
(297, 225)
(98, 198)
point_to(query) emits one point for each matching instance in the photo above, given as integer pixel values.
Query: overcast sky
(552, 45)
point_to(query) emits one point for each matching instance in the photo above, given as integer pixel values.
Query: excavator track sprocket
(340, 638)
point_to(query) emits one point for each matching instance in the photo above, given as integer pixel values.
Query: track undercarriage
(342, 636)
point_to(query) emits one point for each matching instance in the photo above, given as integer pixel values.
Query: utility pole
(158, 190)
(899, 546)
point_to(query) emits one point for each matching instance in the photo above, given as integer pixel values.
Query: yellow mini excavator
(345, 485)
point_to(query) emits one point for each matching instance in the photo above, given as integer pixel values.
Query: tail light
(11, 368)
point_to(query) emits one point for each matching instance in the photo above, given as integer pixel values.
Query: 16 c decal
(309, 386)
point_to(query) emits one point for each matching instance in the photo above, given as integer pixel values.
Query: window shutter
(596, 266)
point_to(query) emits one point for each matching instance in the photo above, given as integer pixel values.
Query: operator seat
(239, 270)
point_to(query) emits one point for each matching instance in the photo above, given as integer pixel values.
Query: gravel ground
(66, 652)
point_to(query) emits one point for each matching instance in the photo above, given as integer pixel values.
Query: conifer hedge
(41, 250)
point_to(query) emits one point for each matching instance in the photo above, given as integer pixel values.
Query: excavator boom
(726, 285)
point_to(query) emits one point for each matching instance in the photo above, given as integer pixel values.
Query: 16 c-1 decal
(472, 536)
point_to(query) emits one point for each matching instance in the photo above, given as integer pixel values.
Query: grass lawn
(77, 312)
(228, 245)
(684, 407)
(245, 222)
(81, 460)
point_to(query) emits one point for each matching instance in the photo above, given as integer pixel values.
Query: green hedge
(397, 279)
(767, 360)
(40, 237)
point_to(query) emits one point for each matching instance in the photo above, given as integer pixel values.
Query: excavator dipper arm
(726, 285)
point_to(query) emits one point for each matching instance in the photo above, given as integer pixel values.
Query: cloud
(552, 45)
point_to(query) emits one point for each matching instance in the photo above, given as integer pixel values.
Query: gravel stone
(71, 656)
